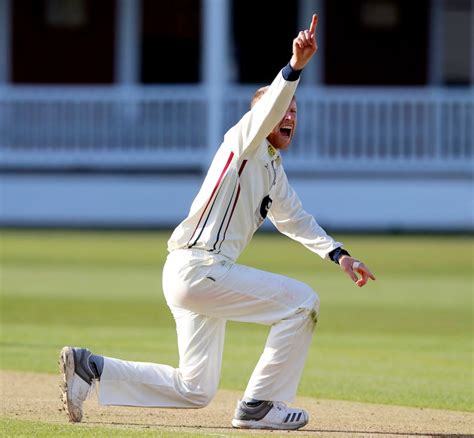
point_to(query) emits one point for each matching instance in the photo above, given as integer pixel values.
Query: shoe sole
(66, 368)
(259, 424)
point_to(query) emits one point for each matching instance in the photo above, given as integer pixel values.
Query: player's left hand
(352, 267)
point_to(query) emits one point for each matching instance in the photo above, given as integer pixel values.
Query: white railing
(102, 127)
(380, 129)
(339, 129)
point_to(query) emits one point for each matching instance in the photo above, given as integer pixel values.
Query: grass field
(406, 339)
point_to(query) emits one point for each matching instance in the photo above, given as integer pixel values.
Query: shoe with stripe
(268, 415)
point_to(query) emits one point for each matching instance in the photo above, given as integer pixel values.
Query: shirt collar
(273, 153)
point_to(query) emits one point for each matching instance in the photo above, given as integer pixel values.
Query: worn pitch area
(33, 396)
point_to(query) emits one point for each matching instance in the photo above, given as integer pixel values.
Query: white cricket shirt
(245, 182)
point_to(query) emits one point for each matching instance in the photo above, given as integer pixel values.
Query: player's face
(282, 133)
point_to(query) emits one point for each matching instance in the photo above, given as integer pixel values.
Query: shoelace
(280, 406)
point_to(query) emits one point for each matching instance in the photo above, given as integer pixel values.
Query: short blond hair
(258, 94)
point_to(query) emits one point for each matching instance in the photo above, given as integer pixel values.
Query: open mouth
(285, 131)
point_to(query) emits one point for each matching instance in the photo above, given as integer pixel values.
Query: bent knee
(316, 303)
(202, 400)
(310, 300)
(311, 306)
(200, 397)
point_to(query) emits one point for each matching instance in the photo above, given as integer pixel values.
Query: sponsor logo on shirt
(271, 151)
(265, 206)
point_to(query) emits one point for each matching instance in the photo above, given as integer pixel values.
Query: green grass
(18, 428)
(405, 339)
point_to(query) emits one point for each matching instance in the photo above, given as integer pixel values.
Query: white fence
(339, 129)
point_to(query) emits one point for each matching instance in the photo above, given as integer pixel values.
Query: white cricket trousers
(203, 291)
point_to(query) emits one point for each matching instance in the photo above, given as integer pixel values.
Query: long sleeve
(256, 124)
(223, 215)
(289, 217)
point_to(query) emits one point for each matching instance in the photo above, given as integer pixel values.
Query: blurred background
(111, 110)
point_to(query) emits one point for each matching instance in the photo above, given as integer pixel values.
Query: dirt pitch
(34, 396)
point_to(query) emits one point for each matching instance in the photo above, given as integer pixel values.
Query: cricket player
(204, 286)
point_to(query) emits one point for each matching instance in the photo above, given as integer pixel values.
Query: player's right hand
(304, 46)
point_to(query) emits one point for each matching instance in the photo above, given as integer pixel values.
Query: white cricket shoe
(269, 415)
(77, 380)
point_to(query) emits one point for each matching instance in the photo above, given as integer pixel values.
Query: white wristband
(355, 265)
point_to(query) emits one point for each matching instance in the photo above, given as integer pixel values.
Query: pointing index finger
(314, 23)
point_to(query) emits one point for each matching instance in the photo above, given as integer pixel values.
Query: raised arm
(255, 125)
(305, 46)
